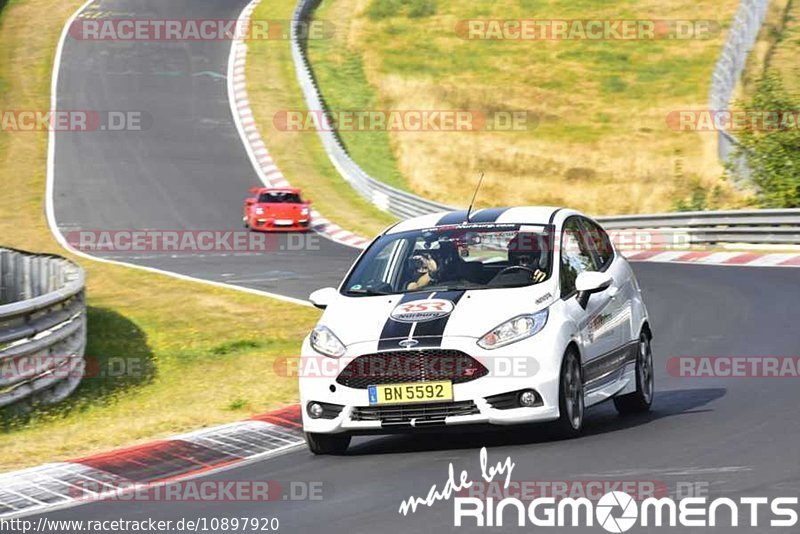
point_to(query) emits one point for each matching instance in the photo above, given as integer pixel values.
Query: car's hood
(472, 313)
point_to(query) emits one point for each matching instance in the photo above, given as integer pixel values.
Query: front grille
(404, 413)
(397, 367)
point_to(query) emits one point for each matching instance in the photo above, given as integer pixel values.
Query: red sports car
(275, 210)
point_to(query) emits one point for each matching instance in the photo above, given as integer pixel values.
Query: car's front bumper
(263, 224)
(510, 370)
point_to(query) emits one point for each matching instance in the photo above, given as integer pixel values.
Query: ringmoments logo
(618, 511)
(605, 511)
(615, 511)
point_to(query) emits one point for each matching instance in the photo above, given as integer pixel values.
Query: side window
(576, 255)
(380, 269)
(600, 242)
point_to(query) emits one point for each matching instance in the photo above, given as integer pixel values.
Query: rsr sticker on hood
(422, 310)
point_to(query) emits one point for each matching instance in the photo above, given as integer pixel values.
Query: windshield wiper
(366, 291)
(443, 288)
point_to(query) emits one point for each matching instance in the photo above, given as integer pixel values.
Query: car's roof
(514, 215)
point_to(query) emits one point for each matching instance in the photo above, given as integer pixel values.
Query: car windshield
(279, 197)
(469, 256)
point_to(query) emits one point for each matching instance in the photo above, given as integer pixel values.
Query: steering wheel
(516, 268)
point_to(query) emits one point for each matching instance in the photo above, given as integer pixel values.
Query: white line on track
(50, 187)
(260, 159)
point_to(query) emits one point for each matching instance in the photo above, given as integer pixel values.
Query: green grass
(273, 89)
(786, 51)
(408, 8)
(165, 356)
(343, 72)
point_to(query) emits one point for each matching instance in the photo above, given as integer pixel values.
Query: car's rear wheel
(570, 398)
(642, 399)
(327, 443)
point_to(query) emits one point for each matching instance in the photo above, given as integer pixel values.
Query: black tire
(327, 443)
(245, 224)
(571, 404)
(640, 400)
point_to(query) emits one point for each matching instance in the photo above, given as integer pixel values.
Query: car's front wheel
(642, 399)
(327, 443)
(570, 397)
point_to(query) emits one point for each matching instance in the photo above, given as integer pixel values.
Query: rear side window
(576, 255)
(600, 242)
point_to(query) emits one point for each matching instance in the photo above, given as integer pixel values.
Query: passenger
(424, 268)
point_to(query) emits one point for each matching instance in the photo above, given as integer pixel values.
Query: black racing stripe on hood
(430, 333)
(454, 217)
(395, 329)
(488, 215)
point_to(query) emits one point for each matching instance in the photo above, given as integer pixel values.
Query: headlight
(259, 211)
(304, 211)
(325, 342)
(513, 330)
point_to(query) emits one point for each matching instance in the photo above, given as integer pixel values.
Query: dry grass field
(600, 141)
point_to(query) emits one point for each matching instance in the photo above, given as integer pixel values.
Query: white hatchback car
(505, 316)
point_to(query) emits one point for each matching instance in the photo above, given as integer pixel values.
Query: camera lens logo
(616, 523)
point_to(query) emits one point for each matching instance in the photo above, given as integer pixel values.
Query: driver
(523, 253)
(424, 268)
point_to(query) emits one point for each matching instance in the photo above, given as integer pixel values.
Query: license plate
(284, 222)
(411, 392)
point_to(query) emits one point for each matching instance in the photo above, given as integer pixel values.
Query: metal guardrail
(42, 327)
(753, 227)
(727, 72)
(768, 227)
(399, 203)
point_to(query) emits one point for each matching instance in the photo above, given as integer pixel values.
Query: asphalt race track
(729, 433)
(189, 171)
(186, 169)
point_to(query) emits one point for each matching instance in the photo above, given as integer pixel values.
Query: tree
(770, 143)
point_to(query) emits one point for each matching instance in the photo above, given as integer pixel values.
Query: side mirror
(589, 282)
(250, 201)
(321, 298)
(308, 201)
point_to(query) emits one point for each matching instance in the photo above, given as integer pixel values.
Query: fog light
(315, 410)
(527, 398)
